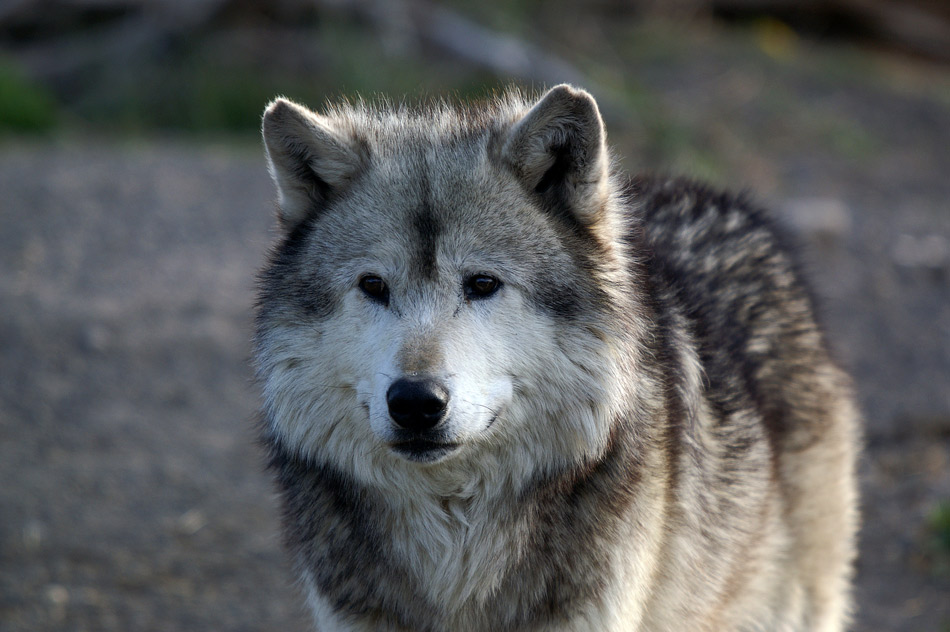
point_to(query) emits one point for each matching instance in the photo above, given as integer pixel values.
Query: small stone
(927, 251)
(57, 595)
(33, 535)
(826, 219)
(191, 522)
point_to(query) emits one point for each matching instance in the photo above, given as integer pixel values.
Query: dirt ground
(133, 496)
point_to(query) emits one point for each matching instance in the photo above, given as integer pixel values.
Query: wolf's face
(430, 301)
(435, 292)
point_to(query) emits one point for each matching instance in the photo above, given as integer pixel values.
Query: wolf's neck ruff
(455, 552)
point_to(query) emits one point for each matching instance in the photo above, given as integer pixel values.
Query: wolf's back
(732, 274)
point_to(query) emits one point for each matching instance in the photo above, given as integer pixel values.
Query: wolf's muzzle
(417, 404)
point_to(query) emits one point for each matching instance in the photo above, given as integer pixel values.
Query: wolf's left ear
(558, 150)
(308, 159)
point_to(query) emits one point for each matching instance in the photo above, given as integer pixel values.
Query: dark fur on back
(733, 272)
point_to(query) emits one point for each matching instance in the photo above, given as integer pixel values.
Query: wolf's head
(451, 285)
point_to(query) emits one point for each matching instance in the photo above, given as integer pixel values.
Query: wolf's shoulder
(715, 240)
(732, 270)
(678, 213)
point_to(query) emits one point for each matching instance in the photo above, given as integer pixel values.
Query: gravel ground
(134, 497)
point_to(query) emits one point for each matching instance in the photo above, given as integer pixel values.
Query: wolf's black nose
(417, 404)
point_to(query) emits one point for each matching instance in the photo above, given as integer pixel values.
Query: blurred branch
(923, 28)
(151, 25)
(449, 32)
(141, 28)
(12, 8)
(918, 26)
(138, 30)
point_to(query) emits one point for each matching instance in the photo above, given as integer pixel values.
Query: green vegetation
(937, 543)
(25, 107)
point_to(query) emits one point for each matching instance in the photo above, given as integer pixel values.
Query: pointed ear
(308, 160)
(558, 150)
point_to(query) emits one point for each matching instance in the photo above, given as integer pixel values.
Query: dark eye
(375, 288)
(481, 286)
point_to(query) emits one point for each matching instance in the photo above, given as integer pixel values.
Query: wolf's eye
(481, 286)
(375, 288)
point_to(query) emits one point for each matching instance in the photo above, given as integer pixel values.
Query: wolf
(507, 387)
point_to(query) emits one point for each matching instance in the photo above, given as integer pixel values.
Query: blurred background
(135, 208)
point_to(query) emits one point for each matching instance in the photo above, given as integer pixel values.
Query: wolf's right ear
(558, 150)
(308, 160)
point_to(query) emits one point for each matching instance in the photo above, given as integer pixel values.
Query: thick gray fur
(641, 429)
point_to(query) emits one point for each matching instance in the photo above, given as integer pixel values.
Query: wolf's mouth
(424, 450)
